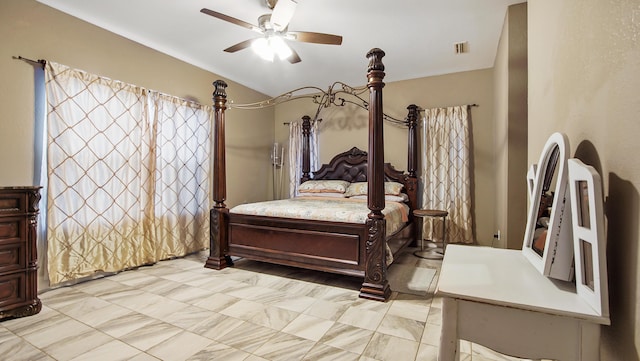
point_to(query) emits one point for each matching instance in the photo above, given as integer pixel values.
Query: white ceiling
(418, 36)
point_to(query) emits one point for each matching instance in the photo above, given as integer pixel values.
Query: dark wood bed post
(219, 215)
(306, 149)
(375, 285)
(412, 123)
(412, 161)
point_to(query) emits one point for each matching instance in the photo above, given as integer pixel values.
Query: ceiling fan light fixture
(280, 47)
(274, 29)
(267, 48)
(262, 47)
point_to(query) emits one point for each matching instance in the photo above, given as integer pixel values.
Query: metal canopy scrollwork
(338, 94)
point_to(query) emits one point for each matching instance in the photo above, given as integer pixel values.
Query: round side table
(433, 253)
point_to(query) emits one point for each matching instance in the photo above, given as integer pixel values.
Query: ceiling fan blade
(282, 14)
(294, 57)
(239, 46)
(230, 19)
(317, 38)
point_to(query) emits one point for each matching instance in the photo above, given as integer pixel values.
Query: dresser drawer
(12, 289)
(12, 229)
(13, 203)
(19, 208)
(13, 257)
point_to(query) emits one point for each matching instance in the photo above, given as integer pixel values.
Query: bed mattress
(346, 210)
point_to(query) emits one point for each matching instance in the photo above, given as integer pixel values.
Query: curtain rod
(468, 105)
(287, 123)
(40, 62)
(473, 105)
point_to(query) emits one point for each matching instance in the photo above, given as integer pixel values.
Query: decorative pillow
(356, 189)
(360, 188)
(323, 186)
(393, 188)
(324, 194)
(403, 197)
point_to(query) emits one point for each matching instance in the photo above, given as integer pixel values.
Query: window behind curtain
(181, 175)
(446, 171)
(127, 175)
(295, 153)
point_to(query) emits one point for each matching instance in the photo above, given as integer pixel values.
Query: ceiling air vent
(460, 47)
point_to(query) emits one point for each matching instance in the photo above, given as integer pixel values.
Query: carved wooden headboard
(351, 166)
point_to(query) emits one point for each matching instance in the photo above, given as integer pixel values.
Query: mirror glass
(586, 253)
(548, 240)
(582, 192)
(545, 202)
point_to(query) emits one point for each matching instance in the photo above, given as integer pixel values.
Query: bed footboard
(323, 246)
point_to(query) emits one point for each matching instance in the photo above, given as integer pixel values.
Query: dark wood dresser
(18, 256)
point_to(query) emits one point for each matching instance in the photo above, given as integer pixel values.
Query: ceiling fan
(274, 30)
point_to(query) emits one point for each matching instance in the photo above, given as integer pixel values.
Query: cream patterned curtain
(182, 168)
(295, 154)
(111, 172)
(446, 171)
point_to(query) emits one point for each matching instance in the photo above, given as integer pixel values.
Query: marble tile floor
(179, 310)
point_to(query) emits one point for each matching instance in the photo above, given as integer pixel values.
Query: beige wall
(33, 30)
(510, 79)
(584, 77)
(501, 140)
(343, 128)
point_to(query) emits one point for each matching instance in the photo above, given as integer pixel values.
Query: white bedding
(345, 210)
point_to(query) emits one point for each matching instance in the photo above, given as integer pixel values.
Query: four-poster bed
(356, 249)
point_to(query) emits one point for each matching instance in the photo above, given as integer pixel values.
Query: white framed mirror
(548, 237)
(589, 242)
